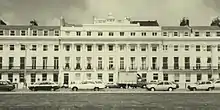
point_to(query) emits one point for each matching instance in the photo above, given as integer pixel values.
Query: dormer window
(122, 33)
(143, 34)
(78, 33)
(196, 34)
(1, 32)
(208, 34)
(217, 34)
(186, 33)
(89, 33)
(12, 32)
(23, 33)
(132, 33)
(45, 33)
(175, 34)
(34, 32)
(100, 33)
(57, 33)
(111, 34)
(67, 33)
(164, 33)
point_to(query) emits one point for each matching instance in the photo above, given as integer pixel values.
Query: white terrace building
(107, 48)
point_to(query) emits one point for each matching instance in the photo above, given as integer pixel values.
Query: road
(103, 100)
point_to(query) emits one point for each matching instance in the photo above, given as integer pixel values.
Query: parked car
(177, 85)
(6, 85)
(112, 85)
(88, 85)
(163, 85)
(216, 84)
(201, 85)
(44, 85)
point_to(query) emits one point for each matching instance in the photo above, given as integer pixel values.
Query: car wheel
(33, 89)
(75, 89)
(193, 89)
(170, 89)
(96, 89)
(209, 89)
(52, 89)
(152, 89)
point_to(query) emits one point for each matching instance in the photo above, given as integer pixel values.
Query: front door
(66, 78)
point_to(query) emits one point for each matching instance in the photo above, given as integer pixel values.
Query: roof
(145, 23)
(205, 27)
(2, 22)
(25, 27)
(175, 28)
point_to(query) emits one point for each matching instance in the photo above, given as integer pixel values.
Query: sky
(167, 12)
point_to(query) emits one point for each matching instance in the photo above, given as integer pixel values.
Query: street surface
(110, 99)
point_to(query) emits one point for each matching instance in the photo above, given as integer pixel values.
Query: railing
(154, 68)
(29, 68)
(191, 68)
(132, 68)
(143, 68)
(100, 68)
(110, 68)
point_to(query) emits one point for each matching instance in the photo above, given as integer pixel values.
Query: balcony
(143, 68)
(110, 68)
(100, 68)
(155, 68)
(122, 68)
(28, 68)
(132, 68)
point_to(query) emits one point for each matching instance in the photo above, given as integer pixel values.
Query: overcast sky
(167, 12)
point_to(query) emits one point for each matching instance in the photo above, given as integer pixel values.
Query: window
(188, 77)
(217, 33)
(122, 63)
(44, 76)
(187, 62)
(154, 63)
(154, 48)
(78, 48)
(89, 47)
(78, 60)
(218, 62)
(132, 33)
(164, 33)
(56, 47)
(100, 47)
(143, 34)
(12, 47)
(186, 47)
(165, 77)
(45, 33)
(209, 62)
(67, 47)
(34, 47)
(12, 33)
(209, 48)
(78, 33)
(89, 65)
(154, 33)
(208, 34)
(132, 47)
(10, 77)
(22, 62)
(196, 34)
(110, 47)
(1, 47)
(121, 47)
(89, 75)
(100, 63)
(199, 77)
(45, 62)
(122, 33)
(218, 47)
(132, 63)
(1, 32)
(110, 77)
(34, 32)
(143, 47)
(209, 76)
(175, 34)
(56, 62)
(175, 47)
(57, 33)
(165, 47)
(45, 47)
(55, 77)
(89, 33)
(100, 33)
(198, 62)
(111, 34)
(176, 77)
(22, 47)
(197, 48)
(176, 62)
(11, 62)
(33, 78)
(67, 63)
(0, 62)
(67, 33)
(165, 62)
(111, 63)
(33, 59)
(144, 75)
(99, 76)
(23, 33)
(143, 63)
(186, 33)
(21, 77)
(155, 76)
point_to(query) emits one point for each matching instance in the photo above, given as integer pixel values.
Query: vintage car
(161, 86)
(44, 85)
(88, 85)
(201, 85)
